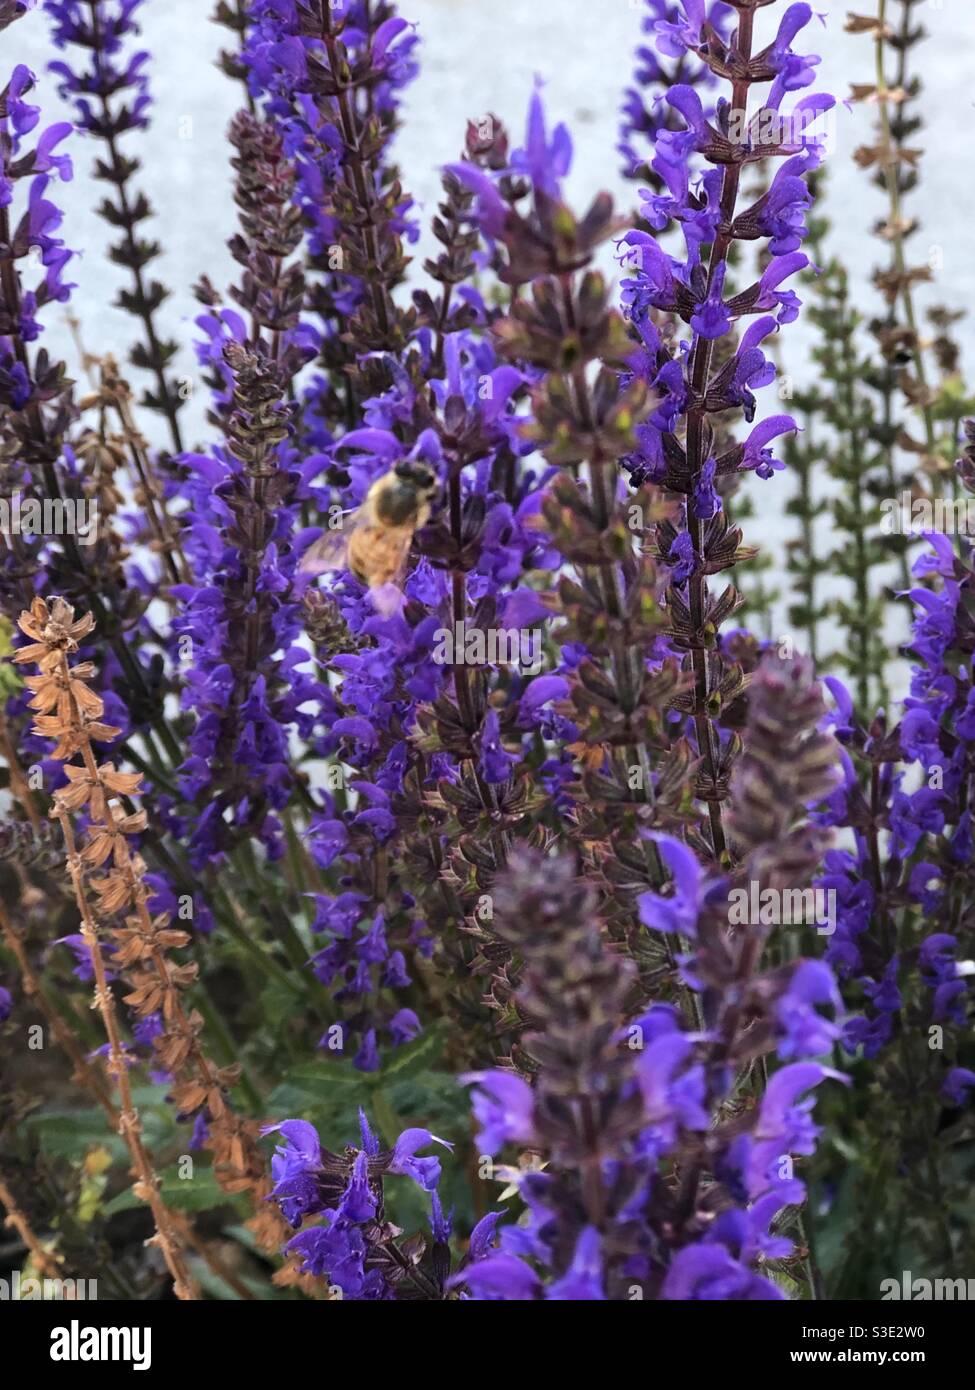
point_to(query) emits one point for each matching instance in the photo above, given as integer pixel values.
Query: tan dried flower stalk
(142, 943)
(55, 633)
(47, 1262)
(83, 1072)
(897, 165)
(115, 394)
(86, 1076)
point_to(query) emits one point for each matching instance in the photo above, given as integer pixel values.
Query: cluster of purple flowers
(904, 801)
(35, 263)
(644, 113)
(445, 401)
(103, 31)
(672, 1088)
(703, 202)
(464, 414)
(350, 1240)
(39, 220)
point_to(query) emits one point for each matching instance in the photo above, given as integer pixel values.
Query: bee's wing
(331, 550)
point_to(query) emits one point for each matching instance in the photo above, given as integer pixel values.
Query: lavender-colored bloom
(784, 1122)
(678, 912)
(644, 116)
(425, 1172)
(709, 1273)
(499, 1278)
(367, 1058)
(108, 76)
(503, 1106)
(806, 1032)
(957, 1084)
(483, 1235)
(582, 1282)
(939, 971)
(84, 969)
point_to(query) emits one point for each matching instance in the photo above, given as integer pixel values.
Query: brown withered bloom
(55, 634)
(52, 631)
(108, 875)
(58, 692)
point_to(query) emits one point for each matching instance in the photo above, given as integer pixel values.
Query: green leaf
(417, 1056)
(201, 1192)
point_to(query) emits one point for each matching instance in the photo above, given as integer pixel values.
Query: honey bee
(374, 540)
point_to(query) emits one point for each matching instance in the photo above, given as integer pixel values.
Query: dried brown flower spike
(68, 710)
(74, 722)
